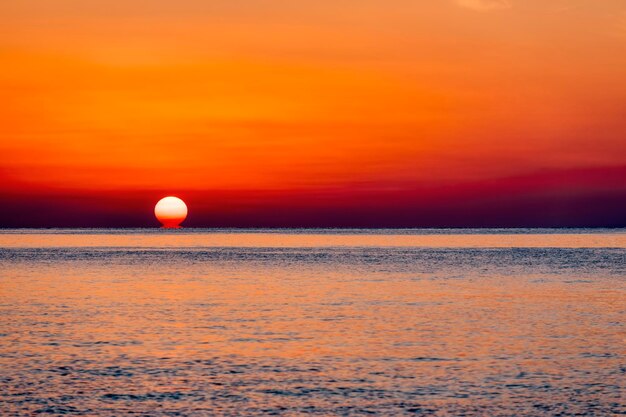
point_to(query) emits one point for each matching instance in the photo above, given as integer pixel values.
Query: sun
(170, 211)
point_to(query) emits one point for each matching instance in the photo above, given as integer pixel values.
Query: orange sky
(267, 94)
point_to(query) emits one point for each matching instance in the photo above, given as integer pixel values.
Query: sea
(323, 322)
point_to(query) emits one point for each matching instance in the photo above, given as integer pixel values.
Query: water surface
(321, 322)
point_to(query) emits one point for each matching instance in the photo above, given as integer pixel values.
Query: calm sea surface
(321, 322)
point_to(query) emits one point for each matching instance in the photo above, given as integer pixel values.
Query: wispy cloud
(485, 5)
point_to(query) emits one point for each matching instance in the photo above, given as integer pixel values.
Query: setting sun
(171, 211)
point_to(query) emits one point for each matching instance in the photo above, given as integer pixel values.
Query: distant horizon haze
(561, 199)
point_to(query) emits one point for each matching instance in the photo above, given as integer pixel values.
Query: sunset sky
(314, 113)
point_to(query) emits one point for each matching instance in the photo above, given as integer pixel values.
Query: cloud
(484, 5)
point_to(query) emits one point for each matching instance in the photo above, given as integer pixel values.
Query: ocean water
(312, 322)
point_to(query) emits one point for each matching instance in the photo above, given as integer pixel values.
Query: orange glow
(306, 96)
